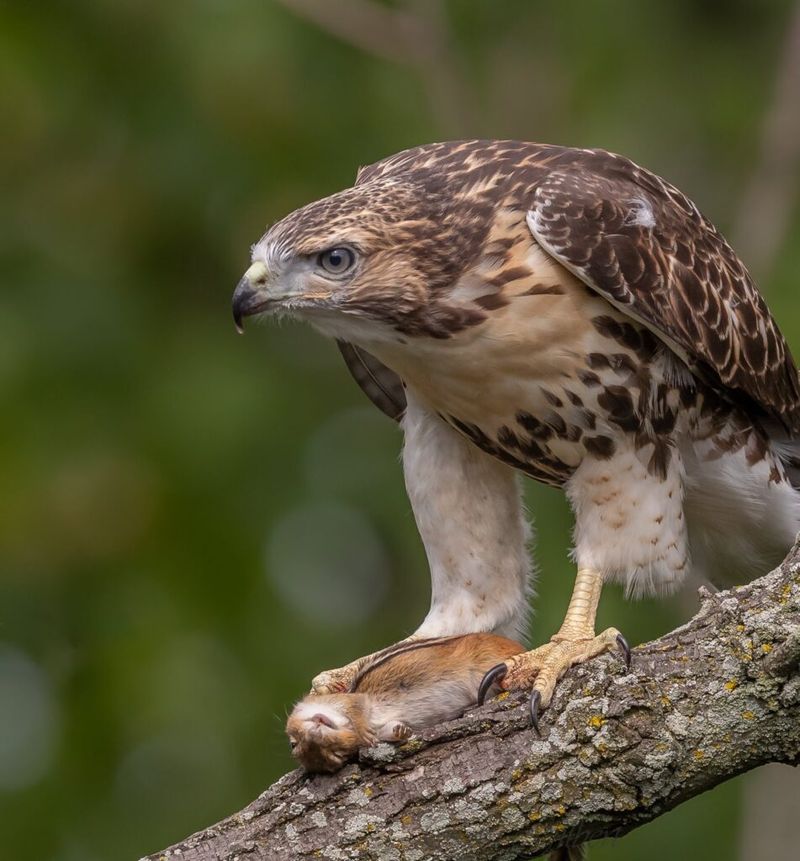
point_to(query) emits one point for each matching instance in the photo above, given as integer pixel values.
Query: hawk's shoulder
(643, 245)
(631, 237)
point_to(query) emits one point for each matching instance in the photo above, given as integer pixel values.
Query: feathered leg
(629, 526)
(469, 511)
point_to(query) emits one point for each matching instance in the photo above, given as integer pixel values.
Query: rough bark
(714, 698)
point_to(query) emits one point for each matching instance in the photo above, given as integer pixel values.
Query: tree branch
(712, 699)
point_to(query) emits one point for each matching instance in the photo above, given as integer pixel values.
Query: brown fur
(402, 690)
(321, 748)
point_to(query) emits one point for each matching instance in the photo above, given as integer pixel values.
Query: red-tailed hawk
(562, 314)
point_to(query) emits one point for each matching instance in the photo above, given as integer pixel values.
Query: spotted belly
(548, 380)
(548, 449)
(545, 421)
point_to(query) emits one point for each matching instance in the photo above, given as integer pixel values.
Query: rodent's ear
(323, 719)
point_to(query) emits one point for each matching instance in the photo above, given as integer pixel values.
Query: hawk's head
(373, 260)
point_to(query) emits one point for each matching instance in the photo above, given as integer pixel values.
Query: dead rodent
(402, 690)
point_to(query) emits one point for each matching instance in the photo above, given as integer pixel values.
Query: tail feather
(789, 454)
(787, 447)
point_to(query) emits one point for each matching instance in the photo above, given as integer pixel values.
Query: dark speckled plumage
(577, 319)
(628, 235)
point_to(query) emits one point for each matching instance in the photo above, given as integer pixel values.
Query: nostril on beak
(257, 274)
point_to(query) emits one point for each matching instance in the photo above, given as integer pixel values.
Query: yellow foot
(543, 667)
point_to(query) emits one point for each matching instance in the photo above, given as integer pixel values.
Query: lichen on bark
(716, 697)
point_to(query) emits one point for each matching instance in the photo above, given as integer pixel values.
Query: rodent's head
(325, 731)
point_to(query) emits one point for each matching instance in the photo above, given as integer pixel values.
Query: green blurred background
(192, 524)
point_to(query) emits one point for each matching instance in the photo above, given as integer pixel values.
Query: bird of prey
(562, 314)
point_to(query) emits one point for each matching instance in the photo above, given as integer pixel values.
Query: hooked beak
(250, 295)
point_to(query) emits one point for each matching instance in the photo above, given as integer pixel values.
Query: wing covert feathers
(644, 246)
(630, 237)
(381, 385)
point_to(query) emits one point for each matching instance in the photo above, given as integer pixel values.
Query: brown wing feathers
(644, 246)
(629, 236)
(381, 385)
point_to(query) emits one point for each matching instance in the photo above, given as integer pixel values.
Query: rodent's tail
(568, 853)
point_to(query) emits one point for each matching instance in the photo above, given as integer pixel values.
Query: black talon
(496, 674)
(536, 699)
(625, 649)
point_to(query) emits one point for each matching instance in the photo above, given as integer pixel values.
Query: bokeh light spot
(28, 720)
(338, 450)
(328, 564)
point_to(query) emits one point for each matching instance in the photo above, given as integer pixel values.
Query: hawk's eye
(337, 261)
